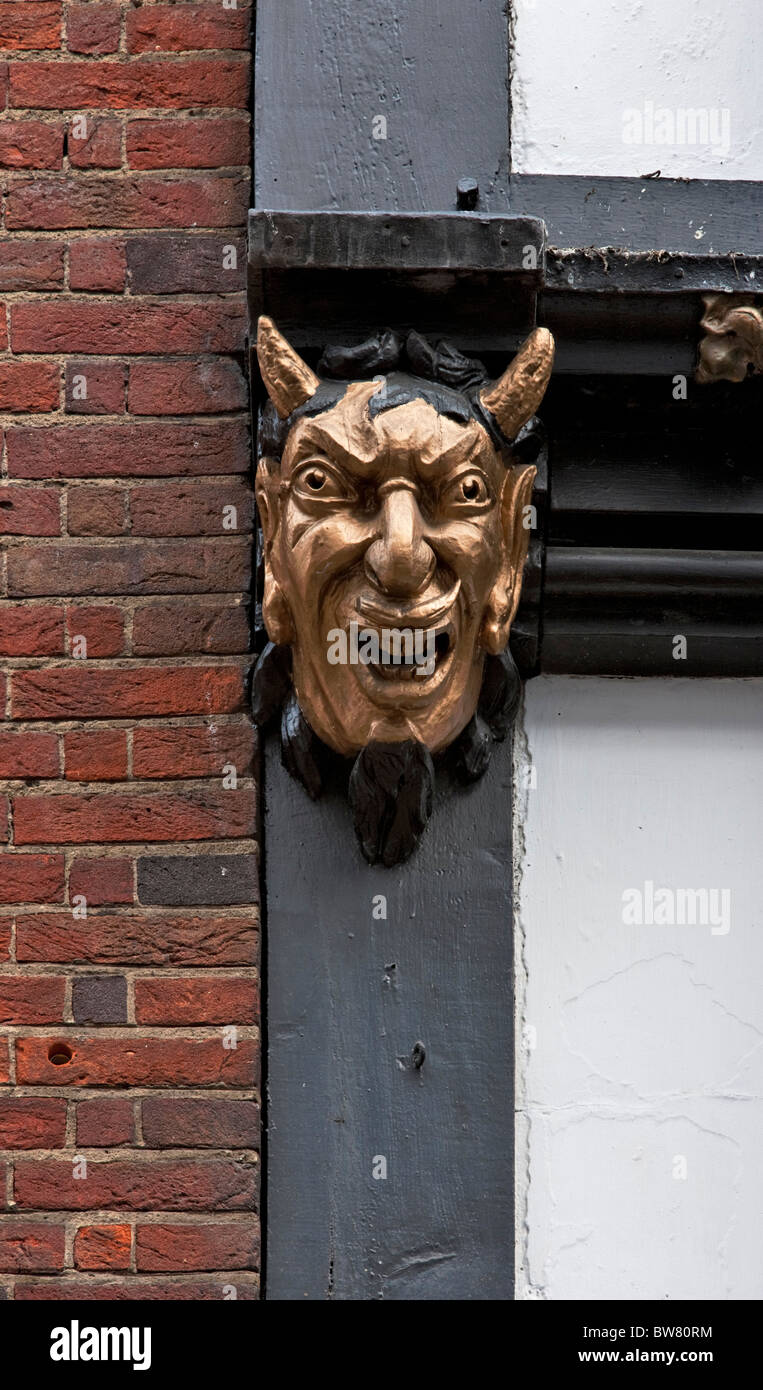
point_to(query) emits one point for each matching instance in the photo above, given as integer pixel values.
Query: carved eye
(470, 490)
(319, 481)
(473, 489)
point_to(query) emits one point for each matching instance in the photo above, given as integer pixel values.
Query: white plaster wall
(640, 1053)
(580, 64)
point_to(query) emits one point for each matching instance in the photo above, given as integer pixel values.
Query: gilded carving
(732, 347)
(394, 507)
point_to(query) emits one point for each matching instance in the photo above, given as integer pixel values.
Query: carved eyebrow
(466, 449)
(316, 435)
(432, 460)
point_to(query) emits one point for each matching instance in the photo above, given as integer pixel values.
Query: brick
(191, 509)
(130, 450)
(102, 1247)
(5, 1075)
(31, 265)
(31, 878)
(124, 327)
(32, 1124)
(95, 388)
(187, 1001)
(3, 335)
(182, 1184)
(201, 751)
(208, 1246)
(92, 28)
(30, 511)
(30, 26)
(171, 28)
(199, 880)
(134, 567)
(99, 999)
(138, 200)
(186, 388)
(95, 755)
(31, 630)
(186, 1123)
(30, 1245)
(28, 755)
(29, 386)
(96, 511)
(98, 146)
(101, 881)
(131, 1290)
(31, 144)
(175, 84)
(173, 629)
(31, 999)
(186, 264)
(101, 627)
(138, 1061)
(205, 142)
(97, 264)
(103, 817)
(77, 692)
(5, 937)
(144, 940)
(105, 1124)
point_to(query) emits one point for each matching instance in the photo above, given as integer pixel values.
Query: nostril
(59, 1053)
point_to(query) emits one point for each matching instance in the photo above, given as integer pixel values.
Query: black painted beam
(689, 217)
(396, 241)
(387, 1179)
(369, 104)
(350, 994)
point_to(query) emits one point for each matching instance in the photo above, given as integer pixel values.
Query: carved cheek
(315, 549)
(472, 549)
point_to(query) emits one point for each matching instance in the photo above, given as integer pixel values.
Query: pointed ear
(515, 397)
(275, 609)
(288, 380)
(504, 599)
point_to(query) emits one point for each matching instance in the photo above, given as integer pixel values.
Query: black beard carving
(391, 784)
(390, 795)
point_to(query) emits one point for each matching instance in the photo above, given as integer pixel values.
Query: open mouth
(417, 660)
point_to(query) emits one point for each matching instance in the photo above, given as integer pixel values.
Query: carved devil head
(395, 532)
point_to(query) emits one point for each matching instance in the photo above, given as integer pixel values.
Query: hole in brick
(59, 1054)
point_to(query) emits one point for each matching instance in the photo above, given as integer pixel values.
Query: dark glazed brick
(170, 1122)
(184, 264)
(100, 999)
(205, 880)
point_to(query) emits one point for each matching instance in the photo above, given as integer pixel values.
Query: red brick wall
(128, 935)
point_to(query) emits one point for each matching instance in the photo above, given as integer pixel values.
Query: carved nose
(400, 561)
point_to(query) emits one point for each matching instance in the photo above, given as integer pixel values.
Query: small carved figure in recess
(733, 343)
(394, 500)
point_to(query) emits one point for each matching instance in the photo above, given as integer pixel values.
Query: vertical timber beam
(389, 1005)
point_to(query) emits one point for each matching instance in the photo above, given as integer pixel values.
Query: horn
(288, 380)
(515, 397)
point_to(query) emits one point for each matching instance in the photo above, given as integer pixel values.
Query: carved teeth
(410, 667)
